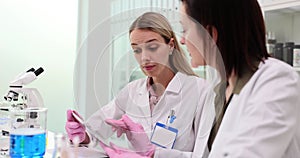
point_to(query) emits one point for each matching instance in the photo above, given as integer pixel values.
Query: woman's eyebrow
(151, 40)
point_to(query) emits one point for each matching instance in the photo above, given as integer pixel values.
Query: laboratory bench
(81, 152)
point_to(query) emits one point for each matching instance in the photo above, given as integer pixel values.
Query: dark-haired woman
(260, 116)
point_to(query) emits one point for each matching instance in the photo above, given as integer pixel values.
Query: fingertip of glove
(69, 115)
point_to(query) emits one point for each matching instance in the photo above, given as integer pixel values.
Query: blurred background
(83, 46)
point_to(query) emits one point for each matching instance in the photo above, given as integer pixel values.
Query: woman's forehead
(139, 36)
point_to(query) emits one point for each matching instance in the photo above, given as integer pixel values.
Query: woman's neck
(162, 81)
(231, 83)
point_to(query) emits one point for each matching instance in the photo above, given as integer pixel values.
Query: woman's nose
(145, 56)
(182, 40)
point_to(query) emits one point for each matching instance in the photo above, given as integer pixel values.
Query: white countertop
(81, 152)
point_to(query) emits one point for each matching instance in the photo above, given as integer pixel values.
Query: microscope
(19, 97)
(30, 96)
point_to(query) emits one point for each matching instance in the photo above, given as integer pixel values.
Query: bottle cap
(271, 41)
(297, 46)
(289, 44)
(279, 45)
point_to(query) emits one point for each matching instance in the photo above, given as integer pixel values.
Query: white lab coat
(262, 121)
(184, 94)
(207, 115)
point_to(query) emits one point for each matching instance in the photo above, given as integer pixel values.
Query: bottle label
(296, 60)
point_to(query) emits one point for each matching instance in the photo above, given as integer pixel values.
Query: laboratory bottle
(60, 150)
(270, 43)
(288, 53)
(271, 46)
(278, 51)
(296, 56)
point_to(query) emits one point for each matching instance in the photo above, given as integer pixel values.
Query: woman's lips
(149, 67)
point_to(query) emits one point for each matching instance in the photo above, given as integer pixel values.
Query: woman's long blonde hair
(159, 24)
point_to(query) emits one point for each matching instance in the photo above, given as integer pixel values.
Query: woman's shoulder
(272, 66)
(274, 73)
(132, 87)
(190, 77)
(194, 81)
(137, 83)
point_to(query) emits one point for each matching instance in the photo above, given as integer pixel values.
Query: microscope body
(20, 97)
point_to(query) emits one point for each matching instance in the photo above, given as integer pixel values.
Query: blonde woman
(171, 90)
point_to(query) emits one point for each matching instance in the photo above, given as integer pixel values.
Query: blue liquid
(27, 143)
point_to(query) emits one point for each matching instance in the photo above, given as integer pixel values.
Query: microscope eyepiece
(30, 70)
(38, 71)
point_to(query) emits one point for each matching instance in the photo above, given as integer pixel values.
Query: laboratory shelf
(297, 69)
(271, 5)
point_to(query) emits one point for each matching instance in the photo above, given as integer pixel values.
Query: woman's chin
(194, 65)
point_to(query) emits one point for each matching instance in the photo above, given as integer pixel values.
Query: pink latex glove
(114, 151)
(74, 128)
(135, 134)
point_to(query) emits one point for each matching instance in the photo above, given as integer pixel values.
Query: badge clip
(171, 117)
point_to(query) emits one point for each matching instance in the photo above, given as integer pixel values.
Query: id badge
(164, 136)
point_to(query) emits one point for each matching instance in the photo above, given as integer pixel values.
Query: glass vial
(271, 46)
(60, 150)
(271, 41)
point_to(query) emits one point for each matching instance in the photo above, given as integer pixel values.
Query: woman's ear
(213, 32)
(171, 43)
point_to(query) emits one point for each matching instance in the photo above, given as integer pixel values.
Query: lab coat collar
(174, 86)
(176, 83)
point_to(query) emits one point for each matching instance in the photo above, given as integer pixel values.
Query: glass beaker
(28, 132)
(4, 131)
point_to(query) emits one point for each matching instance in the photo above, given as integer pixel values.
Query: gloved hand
(135, 134)
(114, 151)
(118, 126)
(74, 129)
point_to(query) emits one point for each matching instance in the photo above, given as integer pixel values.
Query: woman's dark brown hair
(240, 27)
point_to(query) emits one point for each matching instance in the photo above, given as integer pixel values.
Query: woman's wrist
(86, 139)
